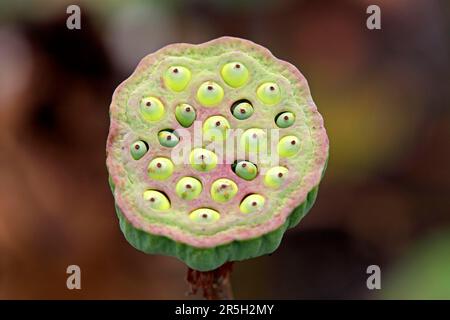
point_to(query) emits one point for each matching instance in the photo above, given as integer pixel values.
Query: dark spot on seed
(169, 137)
(237, 65)
(280, 175)
(188, 186)
(286, 118)
(293, 142)
(244, 165)
(254, 203)
(175, 70)
(148, 104)
(224, 186)
(217, 123)
(152, 199)
(272, 88)
(242, 110)
(159, 165)
(188, 109)
(210, 88)
(137, 147)
(204, 216)
(202, 157)
(255, 136)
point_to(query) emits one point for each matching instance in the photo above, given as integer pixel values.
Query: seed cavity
(176, 78)
(168, 138)
(151, 109)
(245, 169)
(202, 160)
(276, 177)
(252, 203)
(160, 168)
(138, 149)
(223, 190)
(242, 109)
(288, 146)
(269, 93)
(157, 200)
(188, 188)
(204, 215)
(185, 114)
(235, 74)
(210, 94)
(285, 119)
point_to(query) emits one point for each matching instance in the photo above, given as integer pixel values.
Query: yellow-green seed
(209, 94)
(288, 146)
(216, 128)
(151, 109)
(223, 190)
(285, 119)
(177, 78)
(269, 93)
(185, 114)
(202, 159)
(157, 200)
(246, 170)
(235, 74)
(168, 138)
(138, 149)
(160, 168)
(242, 110)
(254, 140)
(204, 215)
(188, 188)
(252, 203)
(275, 177)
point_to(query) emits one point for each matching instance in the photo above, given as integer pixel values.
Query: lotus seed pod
(177, 78)
(210, 94)
(285, 119)
(216, 128)
(160, 168)
(223, 190)
(211, 206)
(157, 200)
(275, 177)
(185, 114)
(246, 170)
(242, 110)
(269, 93)
(188, 188)
(235, 74)
(202, 159)
(138, 149)
(168, 138)
(152, 109)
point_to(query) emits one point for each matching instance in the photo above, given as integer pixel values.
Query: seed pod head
(181, 195)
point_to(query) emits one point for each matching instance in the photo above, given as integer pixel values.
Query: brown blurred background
(384, 95)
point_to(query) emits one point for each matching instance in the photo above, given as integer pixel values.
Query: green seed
(157, 200)
(138, 149)
(185, 114)
(160, 168)
(275, 177)
(177, 78)
(216, 128)
(152, 109)
(235, 74)
(223, 190)
(269, 93)
(210, 94)
(254, 140)
(168, 139)
(288, 146)
(242, 110)
(252, 203)
(202, 159)
(285, 119)
(246, 170)
(188, 188)
(204, 215)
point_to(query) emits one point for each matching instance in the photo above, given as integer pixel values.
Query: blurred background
(384, 95)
